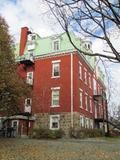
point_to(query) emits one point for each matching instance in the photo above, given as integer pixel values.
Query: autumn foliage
(12, 87)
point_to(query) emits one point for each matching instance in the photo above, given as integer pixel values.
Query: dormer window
(56, 45)
(31, 37)
(88, 45)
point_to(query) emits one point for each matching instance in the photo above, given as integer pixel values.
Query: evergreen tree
(12, 87)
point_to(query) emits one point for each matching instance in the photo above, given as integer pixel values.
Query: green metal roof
(44, 46)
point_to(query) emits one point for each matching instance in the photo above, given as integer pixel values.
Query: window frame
(28, 79)
(53, 45)
(91, 124)
(86, 102)
(87, 123)
(52, 116)
(90, 103)
(90, 81)
(28, 107)
(80, 71)
(85, 76)
(52, 90)
(81, 103)
(94, 86)
(82, 121)
(53, 66)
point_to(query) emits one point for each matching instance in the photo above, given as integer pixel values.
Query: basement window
(82, 121)
(54, 122)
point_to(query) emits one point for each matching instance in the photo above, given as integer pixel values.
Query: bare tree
(91, 18)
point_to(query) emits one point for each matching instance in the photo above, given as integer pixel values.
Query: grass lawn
(64, 149)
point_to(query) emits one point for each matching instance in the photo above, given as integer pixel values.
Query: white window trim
(86, 107)
(82, 124)
(94, 86)
(52, 89)
(91, 123)
(81, 91)
(90, 80)
(55, 62)
(28, 80)
(53, 44)
(85, 79)
(87, 122)
(80, 75)
(91, 107)
(55, 88)
(26, 101)
(52, 116)
(28, 108)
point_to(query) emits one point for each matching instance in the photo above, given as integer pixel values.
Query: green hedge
(85, 133)
(43, 133)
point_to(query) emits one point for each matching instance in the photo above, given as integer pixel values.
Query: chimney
(23, 40)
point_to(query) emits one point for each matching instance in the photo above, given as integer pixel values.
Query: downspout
(71, 59)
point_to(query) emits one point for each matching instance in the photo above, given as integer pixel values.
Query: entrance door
(15, 124)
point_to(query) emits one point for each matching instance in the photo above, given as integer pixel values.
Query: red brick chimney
(23, 40)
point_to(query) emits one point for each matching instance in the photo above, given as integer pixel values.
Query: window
(94, 87)
(56, 69)
(87, 122)
(82, 121)
(31, 37)
(80, 71)
(29, 79)
(86, 101)
(54, 121)
(28, 104)
(81, 98)
(99, 90)
(91, 123)
(55, 97)
(90, 104)
(89, 79)
(88, 46)
(85, 76)
(56, 45)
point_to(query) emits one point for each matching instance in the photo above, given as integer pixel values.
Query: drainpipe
(71, 59)
(108, 133)
(103, 115)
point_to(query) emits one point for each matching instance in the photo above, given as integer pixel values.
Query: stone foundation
(43, 120)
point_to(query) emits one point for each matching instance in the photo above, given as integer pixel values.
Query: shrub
(114, 133)
(41, 133)
(85, 133)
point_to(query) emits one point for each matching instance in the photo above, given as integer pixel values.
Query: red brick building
(64, 84)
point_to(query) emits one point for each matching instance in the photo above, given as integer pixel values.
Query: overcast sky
(35, 15)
